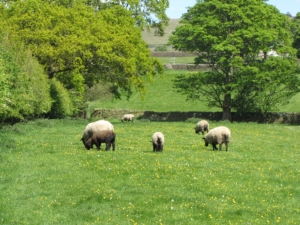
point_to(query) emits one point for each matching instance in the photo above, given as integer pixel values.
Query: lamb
(128, 117)
(91, 128)
(218, 135)
(202, 126)
(158, 141)
(103, 136)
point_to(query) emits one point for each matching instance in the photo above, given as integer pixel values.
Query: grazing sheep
(128, 117)
(158, 141)
(95, 126)
(202, 126)
(218, 135)
(103, 136)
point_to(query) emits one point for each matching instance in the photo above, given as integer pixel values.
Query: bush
(161, 48)
(24, 87)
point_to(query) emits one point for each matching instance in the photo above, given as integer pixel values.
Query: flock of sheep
(102, 131)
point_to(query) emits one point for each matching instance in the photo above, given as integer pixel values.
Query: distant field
(151, 39)
(161, 97)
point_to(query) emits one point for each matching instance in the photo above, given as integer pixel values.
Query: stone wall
(201, 67)
(289, 118)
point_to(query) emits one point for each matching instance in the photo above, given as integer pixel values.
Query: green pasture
(47, 176)
(161, 97)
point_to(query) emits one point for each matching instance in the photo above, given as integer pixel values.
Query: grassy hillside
(47, 176)
(153, 40)
(162, 98)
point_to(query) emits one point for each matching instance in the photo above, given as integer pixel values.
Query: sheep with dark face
(218, 135)
(202, 126)
(104, 136)
(91, 128)
(158, 141)
(128, 117)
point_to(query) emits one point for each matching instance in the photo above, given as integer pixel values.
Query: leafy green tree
(296, 33)
(229, 36)
(94, 46)
(24, 87)
(147, 13)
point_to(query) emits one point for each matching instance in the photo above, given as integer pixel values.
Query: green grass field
(47, 176)
(161, 97)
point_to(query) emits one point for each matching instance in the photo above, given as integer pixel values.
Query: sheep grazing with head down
(91, 128)
(202, 126)
(104, 136)
(127, 117)
(218, 135)
(158, 141)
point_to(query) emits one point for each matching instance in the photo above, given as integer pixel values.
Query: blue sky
(178, 7)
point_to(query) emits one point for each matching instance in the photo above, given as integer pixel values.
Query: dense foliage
(231, 36)
(296, 33)
(24, 87)
(82, 43)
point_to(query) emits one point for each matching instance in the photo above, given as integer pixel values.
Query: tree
(78, 44)
(147, 13)
(296, 33)
(230, 36)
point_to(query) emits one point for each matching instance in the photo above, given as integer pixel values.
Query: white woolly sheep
(104, 136)
(158, 141)
(218, 135)
(202, 126)
(91, 128)
(128, 117)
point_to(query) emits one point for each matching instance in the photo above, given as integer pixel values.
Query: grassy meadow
(47, 176)
(161, 97)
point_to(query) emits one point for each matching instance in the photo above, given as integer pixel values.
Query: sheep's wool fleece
(128, 116)
(216, 134)
(156, 135)
(96, 126)
(202, 123)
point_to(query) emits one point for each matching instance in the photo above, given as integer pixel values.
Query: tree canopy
(78, 44)
(296, 33)
(230, 36)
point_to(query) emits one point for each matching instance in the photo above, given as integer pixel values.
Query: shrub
(161, 48)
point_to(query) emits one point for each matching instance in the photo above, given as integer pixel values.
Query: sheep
(158, 141)
(128, 117)
(95, 126)
(103, 136)
(202, 126)
(218, 135)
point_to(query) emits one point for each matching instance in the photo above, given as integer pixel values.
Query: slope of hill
(152, 40)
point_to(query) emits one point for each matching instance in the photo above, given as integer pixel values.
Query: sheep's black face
(88, 146)
(206, 143)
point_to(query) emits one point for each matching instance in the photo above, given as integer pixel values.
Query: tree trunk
(227, 108)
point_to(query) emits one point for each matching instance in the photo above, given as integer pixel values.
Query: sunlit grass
(47, 176)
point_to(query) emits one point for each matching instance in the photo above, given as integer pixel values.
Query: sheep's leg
(154, 147)
(107, 146)
(113, 146)
(214, 146)
(220, 146)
